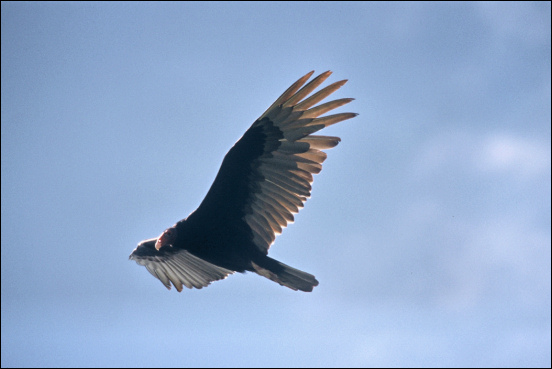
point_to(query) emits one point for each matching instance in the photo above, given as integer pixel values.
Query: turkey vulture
(264, 179)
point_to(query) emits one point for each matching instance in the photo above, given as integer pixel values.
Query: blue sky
(428, 229)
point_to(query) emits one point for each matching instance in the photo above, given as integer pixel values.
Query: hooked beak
(166, 238)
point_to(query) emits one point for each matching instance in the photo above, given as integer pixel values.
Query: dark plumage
(263, 180)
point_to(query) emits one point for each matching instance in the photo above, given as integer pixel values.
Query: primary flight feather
(264, 179)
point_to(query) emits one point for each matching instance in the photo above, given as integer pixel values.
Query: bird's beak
(166, 238)
(160, 241)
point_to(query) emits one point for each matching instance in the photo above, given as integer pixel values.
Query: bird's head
(166, 238)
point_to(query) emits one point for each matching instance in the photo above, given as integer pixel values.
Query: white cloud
(521, 157)
(493, 153)
(495, 246)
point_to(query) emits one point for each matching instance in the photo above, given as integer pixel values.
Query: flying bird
(264, 179)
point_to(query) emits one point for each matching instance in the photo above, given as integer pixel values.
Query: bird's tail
(285, 275)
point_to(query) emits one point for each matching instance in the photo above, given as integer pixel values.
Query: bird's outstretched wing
(266, 177)
(177, 266)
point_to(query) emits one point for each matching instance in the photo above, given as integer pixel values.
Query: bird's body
(264, 179)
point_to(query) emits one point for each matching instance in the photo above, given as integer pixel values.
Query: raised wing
(177, 266)
(266, 177)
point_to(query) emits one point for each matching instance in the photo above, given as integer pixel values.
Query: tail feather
(285, 275)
